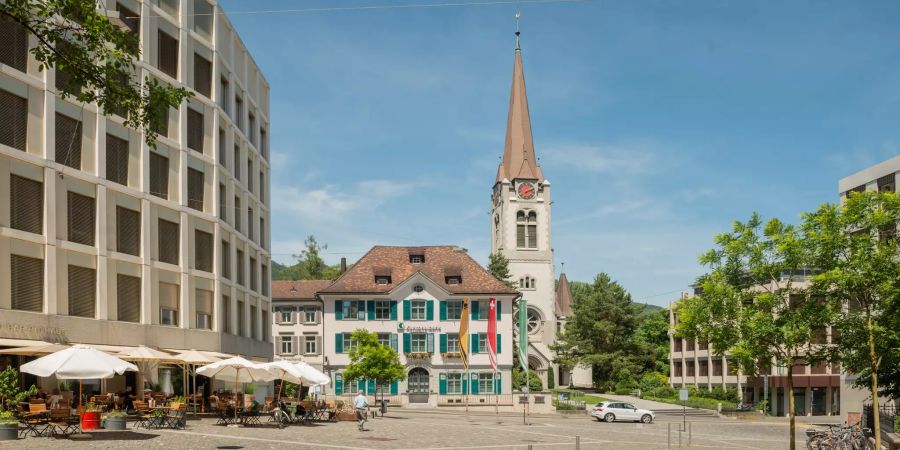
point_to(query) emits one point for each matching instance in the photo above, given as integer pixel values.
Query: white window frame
(418, 342)
(482, 343)
(306, 315)
(486, 378)
(484, 306)
(418, 310)
(349, 344)
(357, 305)
(454, 383)
(454, 309)
(289, 340)
(452, 342)
(386, 341)
(286, 310)
(310, 339)
(382, 310)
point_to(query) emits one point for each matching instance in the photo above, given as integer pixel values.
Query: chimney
(343, 265)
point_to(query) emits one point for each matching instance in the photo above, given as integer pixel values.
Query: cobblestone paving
(432, 430)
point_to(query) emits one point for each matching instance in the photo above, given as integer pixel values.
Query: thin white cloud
(633, 158)
(332, 204)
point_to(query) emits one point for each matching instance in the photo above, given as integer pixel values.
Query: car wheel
(609, 417)
(646, 418)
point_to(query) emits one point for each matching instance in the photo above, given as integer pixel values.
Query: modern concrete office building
(106, 241)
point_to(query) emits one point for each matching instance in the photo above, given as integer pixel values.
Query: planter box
(114, 423)
(9, 431)
(90, 420)
(349, 416)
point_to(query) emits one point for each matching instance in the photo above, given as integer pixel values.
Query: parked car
(612, 411)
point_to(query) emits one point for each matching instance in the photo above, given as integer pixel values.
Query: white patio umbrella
(290, 372)
(316, 376)
(194, 358)
(32, 350)
(236, 369)
(146, 356)
(78, 362)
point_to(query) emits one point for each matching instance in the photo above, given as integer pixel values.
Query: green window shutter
(370, 308)
(338, 310)
(499, 345)
(361, 385)
(499, 308)
(498, 386)
(394, 387)
(338, 384)
(406, 310)
(474, 382)
(443, 343)
(339, 343)
(442, 384)
(443, 315)
(394, 341)
(473, 305)
(465, 384)
(407, 343)
(474, 340)
(393, 310)
(370, 388)
(429, 310)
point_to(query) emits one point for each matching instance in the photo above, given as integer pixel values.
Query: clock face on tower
(526, 191)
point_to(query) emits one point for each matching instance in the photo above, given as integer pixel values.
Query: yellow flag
(464, 333)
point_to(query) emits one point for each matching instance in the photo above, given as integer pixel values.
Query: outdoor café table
(158, 416)
(250, 418)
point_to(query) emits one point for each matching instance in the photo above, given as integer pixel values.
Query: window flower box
(418, 355)
(451, 355)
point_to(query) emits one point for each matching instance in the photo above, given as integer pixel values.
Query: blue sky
(657, 122)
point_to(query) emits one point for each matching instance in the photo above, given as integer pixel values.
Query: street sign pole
(683, 396)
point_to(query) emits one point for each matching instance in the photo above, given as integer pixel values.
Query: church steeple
(519, 161)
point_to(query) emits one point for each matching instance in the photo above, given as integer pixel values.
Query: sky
(658, 123)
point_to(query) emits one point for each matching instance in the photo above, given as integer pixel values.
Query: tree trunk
(790, 388)
(876, 423)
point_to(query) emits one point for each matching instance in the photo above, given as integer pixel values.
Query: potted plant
(114, 420)
(90, 417)
(9, 426)
(10, 396)
(249, 390)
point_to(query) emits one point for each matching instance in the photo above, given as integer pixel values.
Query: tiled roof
(563, 297)
(302, 290)
(440, 262)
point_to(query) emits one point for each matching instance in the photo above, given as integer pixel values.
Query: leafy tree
(855, 247)
(310, 265)
(369, 360)
(96, 57)
(751, 307)
(498, 266)
(601, 333)
(10, 394)
(653, 332)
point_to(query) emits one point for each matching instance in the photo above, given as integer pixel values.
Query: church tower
(520, 224)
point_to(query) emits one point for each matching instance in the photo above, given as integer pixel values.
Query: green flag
(523, 335)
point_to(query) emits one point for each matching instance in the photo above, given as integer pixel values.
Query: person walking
(361, 404)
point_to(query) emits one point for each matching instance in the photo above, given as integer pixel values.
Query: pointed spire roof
(563, 305)
(518, 152)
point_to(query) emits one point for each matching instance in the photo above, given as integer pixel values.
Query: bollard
(577, 442)
(690, 433)
(669, 435)
(530, 447)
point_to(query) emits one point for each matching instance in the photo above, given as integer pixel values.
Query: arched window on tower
(527, 282)
(526, 229)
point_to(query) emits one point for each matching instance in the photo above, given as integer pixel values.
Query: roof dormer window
(382, 279)
(416, 259)
(453, 280)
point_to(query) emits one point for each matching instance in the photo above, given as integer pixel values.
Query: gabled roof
(440, 262)
(563, 305)
(519, 161)
(297, 290)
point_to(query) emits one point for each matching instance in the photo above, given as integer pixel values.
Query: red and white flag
(492, 333)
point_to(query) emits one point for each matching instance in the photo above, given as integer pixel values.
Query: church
(521, 231)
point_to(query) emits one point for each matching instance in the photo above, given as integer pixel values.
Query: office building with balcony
(107, 241)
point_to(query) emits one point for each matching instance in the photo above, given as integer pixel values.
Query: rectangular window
(239, 112)
(195, 134)
(161, 125)
(128, 298)
(486, 382)
(286, 314)
(262, 232)
(222, 146)
(264, 143)
(13, 118)
(226, 260)
(68, 141)
(240, 267)
(704, 368)
(678, 369)
(128, 231)
(202, 74)
(382, 310)
(251, 132)
(169, 6)
(253, 320)
(14, 52)
(81, 219)
(167, 237)
(167, 54)
(240, 318)
(678, 344)
(287, 345)
(116, 159)
(717, 368)
(82, 291)
(250, 175)
(262, 187)
(26, 204)
(454, 310)
(384, 339)
(168, 304)
(65, 81)
(203, 305)
(454, 383)
(159, 175)
(419, 342)
(226, 313)
(223, 206)
(264, 275)
(250, 222)
(354, 310)
(237, 213)
(453, 342)
(482, 342)
(483, 308)
(309, 315)
(224, 96)
(203, 251)
(132, 19)
(311, 347)
(690, 369)
(417, 309)
(349, 344)
(237, 162)
(195, 189)
(253, 284)
(27, 283)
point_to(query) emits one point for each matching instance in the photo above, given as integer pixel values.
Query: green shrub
(897, 424)
(8, 418)
(652, 380)
(623, 391)
(250, 389)
(551, 381)
(663, 392)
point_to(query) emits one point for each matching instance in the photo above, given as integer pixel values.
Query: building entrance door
(418, 385)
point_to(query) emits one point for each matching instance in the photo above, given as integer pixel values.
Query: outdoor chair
(176, 417)
(143, 414)
(61, 423)
(251, 416)
(33, 423)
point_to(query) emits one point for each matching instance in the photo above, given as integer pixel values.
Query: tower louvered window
(13, 119)
(159, 175)
(68, 141)
(168, 241)
(82, 291)
(128, 231)
(27, 283)
(26, 204)
(526, 229)
(202, 75)
(195, 189)
(251, 132)
(203, 251)
(226, 260)
(14, 51)
(116, 159)
(195, 130)
(81, 219)
(167, 54)
(128, 298)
